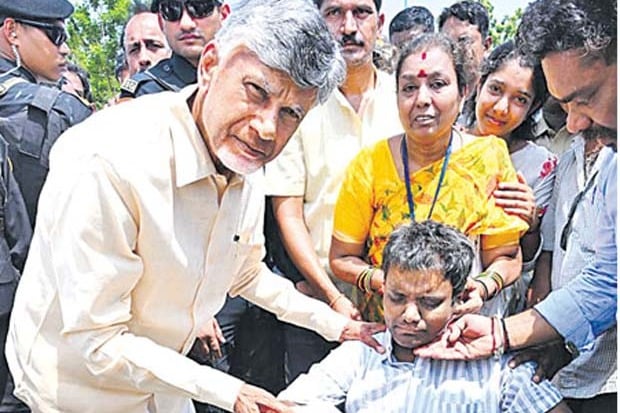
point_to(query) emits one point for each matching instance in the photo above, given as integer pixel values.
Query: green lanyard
(442, 175)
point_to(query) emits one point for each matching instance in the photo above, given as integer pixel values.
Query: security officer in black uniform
(169, 74)
(188, 27)
(15, 235)
(33, 112)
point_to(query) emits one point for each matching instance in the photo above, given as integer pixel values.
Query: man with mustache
(305, 179)
(188, 26)
(132, 255)
(576, 41)
(589, 382)
(143, 41)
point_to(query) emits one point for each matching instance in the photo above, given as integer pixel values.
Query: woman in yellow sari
(432, 172)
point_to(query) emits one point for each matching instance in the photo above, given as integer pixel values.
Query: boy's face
(417, 306)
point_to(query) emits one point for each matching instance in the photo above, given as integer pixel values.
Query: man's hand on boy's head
(364, 332)
(467, 338)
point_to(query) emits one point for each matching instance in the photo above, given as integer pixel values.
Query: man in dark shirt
(188, 26)
(33, 54)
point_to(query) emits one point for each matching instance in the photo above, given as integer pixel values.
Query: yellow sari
(373, 201)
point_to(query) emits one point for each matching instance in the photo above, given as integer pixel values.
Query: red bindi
(423, 55)
(422, 73)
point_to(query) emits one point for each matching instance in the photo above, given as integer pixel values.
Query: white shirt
(132, 253)
(313, 163)
(368, 382)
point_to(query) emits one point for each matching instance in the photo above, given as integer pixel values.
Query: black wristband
(506, 340)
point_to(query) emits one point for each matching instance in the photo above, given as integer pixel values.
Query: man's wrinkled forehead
(377, 3)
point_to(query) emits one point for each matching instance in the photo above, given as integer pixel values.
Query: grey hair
(430, 246)
(287, 35)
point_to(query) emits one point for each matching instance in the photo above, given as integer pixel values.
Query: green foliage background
(95, 28)
(94, 32)
(505, 29)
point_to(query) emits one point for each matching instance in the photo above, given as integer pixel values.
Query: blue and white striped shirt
(369, 382)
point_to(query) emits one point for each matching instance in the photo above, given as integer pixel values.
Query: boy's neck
(402, 354)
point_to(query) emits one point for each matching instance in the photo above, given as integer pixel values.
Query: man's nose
(266, 123)
(144, 58)
(576, 120)
(349, 25)
(64, 49)
(186, 22)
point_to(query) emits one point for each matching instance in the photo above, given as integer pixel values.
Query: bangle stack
(495, 277)
(485, 289)
(364, 278)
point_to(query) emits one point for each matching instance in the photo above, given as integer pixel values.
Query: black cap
(36, 9)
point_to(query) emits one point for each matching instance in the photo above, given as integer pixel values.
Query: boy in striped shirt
(426, 266)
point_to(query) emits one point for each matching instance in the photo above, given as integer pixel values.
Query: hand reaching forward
(252, 399)
(517, 198)
(363, 331)
(467, 338)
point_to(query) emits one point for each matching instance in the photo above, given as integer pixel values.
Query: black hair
(468, 11)
(377, 3)
(137, 8)
(498, 57)
(558, 25)
(461, 66)
(412, 17)
(84, 79)
(430, 246)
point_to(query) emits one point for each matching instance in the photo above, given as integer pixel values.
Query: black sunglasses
(172, 11)
(56, 34)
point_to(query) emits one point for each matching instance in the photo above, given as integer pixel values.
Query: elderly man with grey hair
(133, 253)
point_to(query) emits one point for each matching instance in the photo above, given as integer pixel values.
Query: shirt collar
(184, 69)
(341, 98)
(192, 159)
(388, 357)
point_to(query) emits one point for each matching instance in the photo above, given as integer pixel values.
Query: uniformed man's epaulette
(72, 107)
(9, 82)
(132, 84)
(144, 83)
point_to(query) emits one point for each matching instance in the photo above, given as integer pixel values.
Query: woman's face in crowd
(428, 94)
(504, 100)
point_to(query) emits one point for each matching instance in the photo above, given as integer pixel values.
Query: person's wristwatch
(571, 349)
